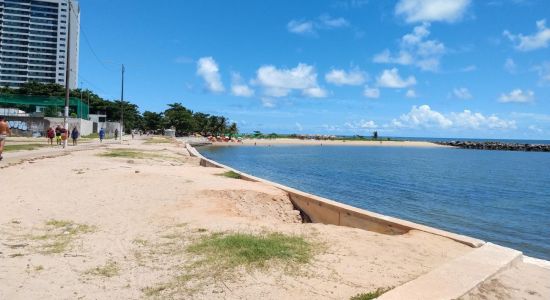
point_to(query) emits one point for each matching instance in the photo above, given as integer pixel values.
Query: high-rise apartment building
(33, 41)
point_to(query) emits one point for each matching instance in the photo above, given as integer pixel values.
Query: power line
(87, 40)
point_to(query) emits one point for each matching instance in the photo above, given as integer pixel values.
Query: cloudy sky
(423, 68)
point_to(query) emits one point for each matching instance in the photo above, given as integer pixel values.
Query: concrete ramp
(457, 277)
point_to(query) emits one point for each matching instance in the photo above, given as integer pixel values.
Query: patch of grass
(23, 147)
(91, 136)
(136, 154)
(154, 291)
(370, 295)
(16, 255)
(140, 242)
(110, 269)
(58, 235)
(159, 140)
(241, 249)
(231, 174)
(39, 268)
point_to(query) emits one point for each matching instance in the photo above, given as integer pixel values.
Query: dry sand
(287, 141)
(141, 214)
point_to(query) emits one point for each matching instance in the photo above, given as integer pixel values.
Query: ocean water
(498, 196)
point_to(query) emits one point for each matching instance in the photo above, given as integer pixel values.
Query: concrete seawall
(326, 211)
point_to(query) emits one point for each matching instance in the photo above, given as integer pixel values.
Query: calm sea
(498, 196)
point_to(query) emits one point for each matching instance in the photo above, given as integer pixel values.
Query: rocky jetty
(497, 146)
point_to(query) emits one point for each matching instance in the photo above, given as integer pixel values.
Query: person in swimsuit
(4, 132)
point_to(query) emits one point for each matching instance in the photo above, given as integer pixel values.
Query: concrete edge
(537, 262)
(322, 210)
(459, 276)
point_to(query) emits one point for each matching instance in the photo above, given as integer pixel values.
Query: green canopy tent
(53, 104)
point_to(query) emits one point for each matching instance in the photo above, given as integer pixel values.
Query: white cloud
(209, 71)
(329, 22)
(268, 102)
(538, 40)
(470, 120)
(415, 49)
(310, 27)
(385, 57)
(300, 27)
(361, 124)
(281, 82)
(462, 93)
(431, 10)
(372, 93)
(299, 126)
(517, 96)
(314, 92)
(424, 117)
(510, 65)
(238, 88)
(391, 79)
(341, 77)
(410, 93)
(469, 68)
(535, 128)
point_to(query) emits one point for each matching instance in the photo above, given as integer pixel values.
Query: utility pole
(67, 74)
(80, 105)
(122, 106)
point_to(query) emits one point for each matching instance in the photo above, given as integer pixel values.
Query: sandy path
(144, 212)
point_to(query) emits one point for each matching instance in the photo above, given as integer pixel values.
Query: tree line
(176, 116)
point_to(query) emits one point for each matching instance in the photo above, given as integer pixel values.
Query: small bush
(231, 174)
(370, 295)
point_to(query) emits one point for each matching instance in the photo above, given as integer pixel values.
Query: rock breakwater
(497, 146)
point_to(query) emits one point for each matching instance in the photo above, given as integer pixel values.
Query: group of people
(60, 135)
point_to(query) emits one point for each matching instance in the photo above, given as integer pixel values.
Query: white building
(33, 41)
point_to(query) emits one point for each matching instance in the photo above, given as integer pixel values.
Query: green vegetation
(182, 119)
(23, 147)
(129, 153)
(219, 257)
(370, 295)
(159, 140)
(110, 269)
(91, 136)
(241, 249)
(231, 174)
(58, 236)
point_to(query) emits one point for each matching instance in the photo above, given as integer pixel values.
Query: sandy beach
(305, 142)
(86, 226)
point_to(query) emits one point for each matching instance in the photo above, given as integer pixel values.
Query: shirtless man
(4, 132)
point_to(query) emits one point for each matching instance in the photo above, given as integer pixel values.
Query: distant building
(33, 41)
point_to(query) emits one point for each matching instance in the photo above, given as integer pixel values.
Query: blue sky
(430, 68)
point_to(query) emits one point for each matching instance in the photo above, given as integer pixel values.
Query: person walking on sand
(50, 134)
(101, 135)
(116, 133)
(58, 135)
(74, 135)
(4, 132)
(64, 136)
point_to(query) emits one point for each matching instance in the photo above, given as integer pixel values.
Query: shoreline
(298, 142)
(467, 240)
